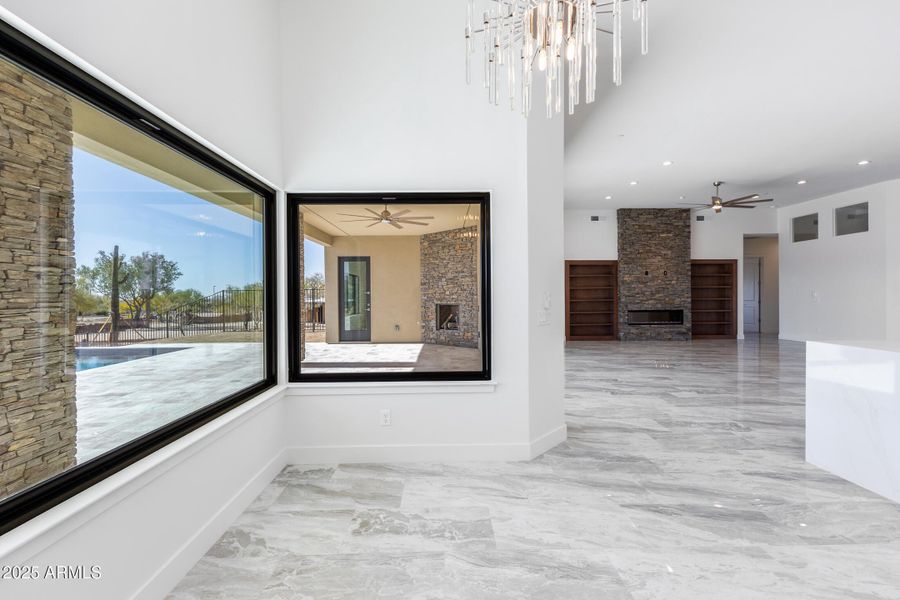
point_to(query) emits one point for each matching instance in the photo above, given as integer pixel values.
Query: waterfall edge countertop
(853, 412)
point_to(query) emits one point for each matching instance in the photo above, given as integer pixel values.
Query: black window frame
(294, 282)
(22, 50)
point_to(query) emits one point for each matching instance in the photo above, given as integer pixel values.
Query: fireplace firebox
(447, 317)
(656, 317)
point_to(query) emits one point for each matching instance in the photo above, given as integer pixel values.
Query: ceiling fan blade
(750, 197)
(358, 216)
(733, 202)
(357, 220)
(374, 213)
(397, 225)
(419, 218)
(408, 222)
(373, 224)
(737, 206)
(401, 213)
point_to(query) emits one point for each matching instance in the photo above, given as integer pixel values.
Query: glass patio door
(355, 297)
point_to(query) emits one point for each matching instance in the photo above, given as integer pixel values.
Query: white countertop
(886, 345)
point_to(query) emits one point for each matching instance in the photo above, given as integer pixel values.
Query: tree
(148, 274)
(87, 303)
(167, 301)
(140, 278)
(316, 280)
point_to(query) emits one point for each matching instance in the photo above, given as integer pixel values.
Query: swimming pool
(92, 358)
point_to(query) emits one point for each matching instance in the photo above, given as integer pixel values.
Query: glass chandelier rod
(556, 37)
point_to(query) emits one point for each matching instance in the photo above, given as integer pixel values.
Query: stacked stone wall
(654, 270)
(449, 263)
(37, 264)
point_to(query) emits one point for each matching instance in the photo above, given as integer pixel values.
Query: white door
(751, 294)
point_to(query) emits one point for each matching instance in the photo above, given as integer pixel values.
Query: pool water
(92, 358)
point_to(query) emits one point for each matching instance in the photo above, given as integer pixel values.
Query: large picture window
(136, 297)
(389, 287)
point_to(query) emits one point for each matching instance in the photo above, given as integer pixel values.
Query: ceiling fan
(386, 217)
(717, 204)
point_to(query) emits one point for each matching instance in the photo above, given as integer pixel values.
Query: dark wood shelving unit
(591, 299)
(714, 299)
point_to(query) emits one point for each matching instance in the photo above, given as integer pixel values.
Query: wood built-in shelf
(591, 299)
(714, 299)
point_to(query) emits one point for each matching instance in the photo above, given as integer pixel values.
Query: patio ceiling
(331, 219)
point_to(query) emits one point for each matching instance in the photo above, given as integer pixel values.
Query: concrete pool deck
(364, 357)
(120, 402)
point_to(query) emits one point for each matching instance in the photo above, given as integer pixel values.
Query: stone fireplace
(449, 287)
(654, 274)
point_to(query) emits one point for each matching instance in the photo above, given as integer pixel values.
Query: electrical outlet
(385, 417)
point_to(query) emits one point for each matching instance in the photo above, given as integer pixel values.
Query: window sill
(351, 388)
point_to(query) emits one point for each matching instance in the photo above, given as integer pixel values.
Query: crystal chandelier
(559, 37)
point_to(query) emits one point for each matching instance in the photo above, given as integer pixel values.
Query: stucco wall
(395, 276)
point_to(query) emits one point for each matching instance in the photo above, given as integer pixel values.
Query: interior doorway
(752, 297)
(760, 285)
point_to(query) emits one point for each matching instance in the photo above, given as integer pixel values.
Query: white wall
(766, 248)
(892, 265)
(546, 230)
(842, 287)
(148, 524)
(722, 236)
(387, 120)
(591, 240)
(209, 64)
(402, 118)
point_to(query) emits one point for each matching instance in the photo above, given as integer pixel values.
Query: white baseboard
(173, 570)
(301, 455)
(547, 441)
(791, 337)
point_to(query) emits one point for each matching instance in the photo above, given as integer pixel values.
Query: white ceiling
(756, 93)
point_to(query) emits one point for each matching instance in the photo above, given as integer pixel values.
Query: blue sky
(213, 246)
(313, 258)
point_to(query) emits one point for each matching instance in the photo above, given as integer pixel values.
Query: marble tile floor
(683, 478)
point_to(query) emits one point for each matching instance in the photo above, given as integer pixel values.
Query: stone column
(37, 265)
(449, 262)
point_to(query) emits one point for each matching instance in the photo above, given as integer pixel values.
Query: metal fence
(313, 309)
(225, 311)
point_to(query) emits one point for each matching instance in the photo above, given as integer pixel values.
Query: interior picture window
(390, 288)
(851, 219)
(805, 228)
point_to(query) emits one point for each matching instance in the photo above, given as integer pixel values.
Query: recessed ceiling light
(633, 183)
(668, 163)
(863, 163)
(609, 197)
(801, 182)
